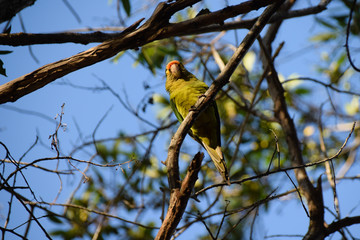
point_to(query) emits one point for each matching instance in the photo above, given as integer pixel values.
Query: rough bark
(179, 199)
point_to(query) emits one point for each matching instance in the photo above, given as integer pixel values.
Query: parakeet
(184, 90)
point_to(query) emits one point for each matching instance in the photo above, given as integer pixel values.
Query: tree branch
(348, 35)
(13, 90)
(157, 27)
(338, 225)
(24, 39)
(179, 200)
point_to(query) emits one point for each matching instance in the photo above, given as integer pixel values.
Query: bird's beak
(175, 70)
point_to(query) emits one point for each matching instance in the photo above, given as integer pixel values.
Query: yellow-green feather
(184, 92)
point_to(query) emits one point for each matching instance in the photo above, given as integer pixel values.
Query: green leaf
(323, 37)
(352, 107)
(326, 23)
(249, 60)
(158, 98)
(117, 57)
(127, 6)
(341, 60)
(102, 151)
(302, 91)
(341, 20)
(54, 219)
(2, 69)
(153, 55)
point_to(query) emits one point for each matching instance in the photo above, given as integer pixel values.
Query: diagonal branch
(179, 200)
(24, 39)
(344, 222)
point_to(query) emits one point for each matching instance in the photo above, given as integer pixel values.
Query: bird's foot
(202, 96)
(193, 108)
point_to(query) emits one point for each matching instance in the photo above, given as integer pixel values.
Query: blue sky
(85, 108)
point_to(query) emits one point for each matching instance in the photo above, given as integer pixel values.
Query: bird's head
(175, 70)
(177, 74)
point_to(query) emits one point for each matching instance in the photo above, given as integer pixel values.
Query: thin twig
(90, 210)
(327, 85)
(22, 24)
(329, 167)
(222, 219)
(20, 199)
(253, 223)
(347, 37)
(72, 10)
(206, 226)
(296, 188)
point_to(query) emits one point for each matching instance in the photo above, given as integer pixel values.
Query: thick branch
(179, 200)
(157, 27)
(338, 225)
(24, 39)
(13, 90)
(250, 22)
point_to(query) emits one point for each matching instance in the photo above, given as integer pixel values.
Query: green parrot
(184, 90)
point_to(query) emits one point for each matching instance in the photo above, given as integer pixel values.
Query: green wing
(218, 122)
(180, 119)
(175, 110)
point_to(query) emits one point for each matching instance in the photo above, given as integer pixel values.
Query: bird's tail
(219, 161)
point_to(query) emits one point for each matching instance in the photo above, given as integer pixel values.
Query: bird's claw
(193, 108)
(202, 95)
